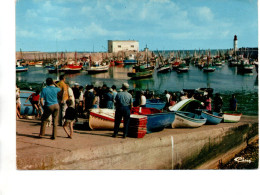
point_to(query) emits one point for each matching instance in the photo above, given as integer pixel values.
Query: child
(69, 117)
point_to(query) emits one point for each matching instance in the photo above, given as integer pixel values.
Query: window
(119, 46)
(132, 46)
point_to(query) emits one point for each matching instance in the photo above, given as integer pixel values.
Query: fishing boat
(72, 68)
(21, 68)
(182, 68)
(39, 64)
(141, 71)
(102, 119)
(130, 60)
(164, 66)
(209, 68)
(231, 116)
(187, 119)
(96, 67)
(156, 120)
(245, 66)
(213, 118)
(155, 103)
(218, 62)
(175, 65)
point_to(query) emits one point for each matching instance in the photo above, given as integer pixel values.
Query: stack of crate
(137, 126)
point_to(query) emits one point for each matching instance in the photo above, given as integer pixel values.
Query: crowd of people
(63, 104)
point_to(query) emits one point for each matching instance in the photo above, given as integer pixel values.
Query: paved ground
(29, 145)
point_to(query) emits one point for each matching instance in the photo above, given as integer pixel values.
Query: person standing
(143, 100)
(76, 93)
(218, 103)
(89, 97)
(208, 103)
(69, 117)
(233, 103)
(50, 106)
(62, 98)
(124, 103)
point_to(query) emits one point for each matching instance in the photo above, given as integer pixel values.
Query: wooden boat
(188, 105)
(182, 68)
(231, 116)
(175, 65)
(245, 66)
(26, 108)
(155, 103)
(141, 71)
(156, 120)
(72, 68)
(209, 68)
(39, 64)
(97, 68)
(102, 119)
(119, 62)
(213, 118)
(187, 119)
(20, 67)
(130, 60)
(164, 68)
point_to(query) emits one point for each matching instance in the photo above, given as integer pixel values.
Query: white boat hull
(231, 118)
(184, 122)
(103, 119)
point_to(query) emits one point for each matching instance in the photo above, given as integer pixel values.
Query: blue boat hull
(212, 119)
(157, 122)
(26, 108)
(126, 62)
(155, 104)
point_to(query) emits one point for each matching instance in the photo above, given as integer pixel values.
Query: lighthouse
(235, 43)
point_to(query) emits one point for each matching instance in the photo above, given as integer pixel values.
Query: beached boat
(231, 116)
(26, 108)
(102, 119)
(213, 118)
(188, 105)
(155, 103)
(156, 120)
(187, 119)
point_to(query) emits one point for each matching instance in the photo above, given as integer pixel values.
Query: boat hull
(213, 119)
(140, 75)
(232, 117)
(99, 69)
(155, 104)
(102, 119)
(183, 120)
(21, 69)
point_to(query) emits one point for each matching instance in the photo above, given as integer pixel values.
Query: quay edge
(96, 150)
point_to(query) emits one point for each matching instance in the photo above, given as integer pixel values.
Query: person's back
(123, 98)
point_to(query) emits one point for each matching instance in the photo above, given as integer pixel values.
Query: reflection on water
(225, 78)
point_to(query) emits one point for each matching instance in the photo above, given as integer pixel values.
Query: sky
(87, 25)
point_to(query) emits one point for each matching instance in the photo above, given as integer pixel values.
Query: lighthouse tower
(235, 43)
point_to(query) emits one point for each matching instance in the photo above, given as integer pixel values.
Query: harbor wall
(174, 150)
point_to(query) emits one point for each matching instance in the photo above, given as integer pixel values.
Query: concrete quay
(97, 150)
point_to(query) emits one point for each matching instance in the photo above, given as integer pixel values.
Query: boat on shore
(188, 105)
(213, 118)
(156, 120)
(231, 116)
(155, 103)
(102, 119)
(187, 119)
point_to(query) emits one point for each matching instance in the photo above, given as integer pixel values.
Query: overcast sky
(86, 25)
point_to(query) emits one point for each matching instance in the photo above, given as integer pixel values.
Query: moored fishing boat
(209, 68)
(102, 119)
(156, 120)
(20, 68)
(231, 116)
(187, 119)
(72, 68)
(130, 60)
(39, 64)
(245, 66)
(97, 68)
(164, 68)
(141, 71)
(182, 68)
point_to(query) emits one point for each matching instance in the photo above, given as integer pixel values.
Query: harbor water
(225, 80)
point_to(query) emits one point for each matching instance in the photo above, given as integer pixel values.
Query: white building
(116, 46)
